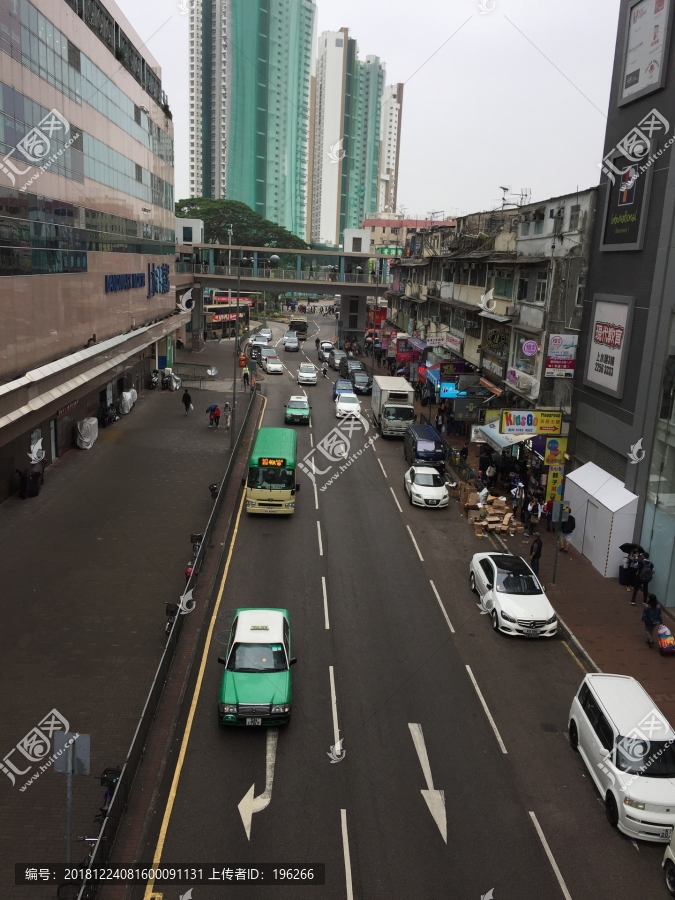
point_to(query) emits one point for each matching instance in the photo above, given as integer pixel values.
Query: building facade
(86, 259)
(390, 147)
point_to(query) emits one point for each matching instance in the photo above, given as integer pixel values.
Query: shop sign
(449, 370)
(377, 316)
(493, 367)
(608, 341)
(554, 454)
(532, 421)
(158, 279)
(452, 342)
(389, 251)
(436, 340)
(562, 354)
(66, 409)
(124, 282)
(496, 338)
(530, 348)
(512, 376)
(467, 410)
(404, 350)
(554, 483)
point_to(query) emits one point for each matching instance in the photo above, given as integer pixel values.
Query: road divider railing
(104, 844)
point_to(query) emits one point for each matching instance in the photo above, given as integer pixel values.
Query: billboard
(562, 355)
(531, 421)
(608, 343)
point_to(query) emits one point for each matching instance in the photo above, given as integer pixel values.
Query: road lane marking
(333, 702)
(487, 711)
(382, 467)
(345, 848)
(316, 497)
(318, 531)
(551, 859)
(574, 657)
(251, 804)
(311, 439)
(440, 603)
(325, 601)
(395, 499)
(435, 799)
(412, 538)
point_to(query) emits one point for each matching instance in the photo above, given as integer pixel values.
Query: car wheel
(495, 620)
(472, 583)
(574, 736)
(669, 870)
(611, 809)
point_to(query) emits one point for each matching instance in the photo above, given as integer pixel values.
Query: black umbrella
(628, 548)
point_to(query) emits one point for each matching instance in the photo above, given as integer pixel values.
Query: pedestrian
(533, 514)
(23, 483)
(645, 573)
(245, 375)
(631, 569)
(206, 334)
(491, 474)
(214, 416)
(464, 453)
(227, 412)
(567, 529)
(187, 401)
(316, 343)
(535, 553)
(311, 271)
(517, 493)
(651, 616)
(439, 421)
(548, 509)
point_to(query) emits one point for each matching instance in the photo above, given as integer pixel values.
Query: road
(396, 660)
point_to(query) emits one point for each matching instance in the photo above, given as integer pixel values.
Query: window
(187, 234)
(356, 245)
(523, 286)
(598, 721)
(339, 42)
(487, 572)
(581, 290)
(539, 225)
(394, 230)
(575, 214)
(541, 286)
(526, 361)
(525, 229)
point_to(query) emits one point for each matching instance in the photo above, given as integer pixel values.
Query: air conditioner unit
(435, 319)
(517, 220)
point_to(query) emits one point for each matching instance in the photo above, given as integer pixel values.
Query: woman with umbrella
(214, 414)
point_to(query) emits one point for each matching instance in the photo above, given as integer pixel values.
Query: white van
(629, 749)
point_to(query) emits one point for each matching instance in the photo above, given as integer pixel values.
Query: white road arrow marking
(251, 804)
(435, 800)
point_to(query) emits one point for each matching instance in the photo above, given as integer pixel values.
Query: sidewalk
(87, 569)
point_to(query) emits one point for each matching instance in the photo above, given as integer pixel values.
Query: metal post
(69, 805)
(236, 362)
(557, 542)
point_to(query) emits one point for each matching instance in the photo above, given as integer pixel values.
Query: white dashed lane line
(325, 601)
(487, 711)
(440, 603)
(395, 499)
(551, 859)
(382, 467)
(318, 531)
(412, 538)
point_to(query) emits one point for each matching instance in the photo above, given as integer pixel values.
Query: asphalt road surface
(449, 730)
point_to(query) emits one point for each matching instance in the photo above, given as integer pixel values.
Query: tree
(248, 227)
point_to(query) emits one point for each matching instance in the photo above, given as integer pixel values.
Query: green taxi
(297, 411)
(256, 684)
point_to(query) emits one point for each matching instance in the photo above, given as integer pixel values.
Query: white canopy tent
(499, 441)
(604, 512)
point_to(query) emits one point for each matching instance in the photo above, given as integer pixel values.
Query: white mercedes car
(511, 593)
(307, 374)
(347, 405)
(425, 487)
(272, 365)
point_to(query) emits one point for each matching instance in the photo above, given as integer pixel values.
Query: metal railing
(104, 844)
(287, 273)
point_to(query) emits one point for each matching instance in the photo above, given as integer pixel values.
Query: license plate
(531, 632)
(254, 721)
(665, 832)
(432, 502)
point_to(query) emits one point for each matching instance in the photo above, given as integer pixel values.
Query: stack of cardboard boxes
(493, 515)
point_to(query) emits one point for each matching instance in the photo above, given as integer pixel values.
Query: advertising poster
(554, 483)
(453, 343)
(626, 207)
(608, 342)
(534, 421)
(554, 454)
(644, 60)
(562, 355)
(450, 370)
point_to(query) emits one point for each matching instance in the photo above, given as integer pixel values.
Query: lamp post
(236, 351)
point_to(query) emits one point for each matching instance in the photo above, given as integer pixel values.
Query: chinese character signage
(158, 279)
(562, 354)
(554, 455)
(531, 421)
(554, 482)
(608, 344)
(450, 370)
(452, 342)
(404, 350)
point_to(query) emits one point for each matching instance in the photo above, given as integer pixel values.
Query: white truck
(392, 404)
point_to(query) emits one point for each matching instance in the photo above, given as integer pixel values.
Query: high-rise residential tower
(348, 110)
(250, 79)
(392, 109)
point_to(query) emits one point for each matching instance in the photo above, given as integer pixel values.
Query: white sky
(489, 109)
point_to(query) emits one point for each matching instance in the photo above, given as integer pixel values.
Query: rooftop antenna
(438, 212)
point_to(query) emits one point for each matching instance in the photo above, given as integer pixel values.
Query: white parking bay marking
(395, 499)
(325, 601)
(551, 859)
(487, 711)
(412, 538)
(316, 497)
(440, 603)
(251, 804)
(435, 799)
(345, 848)
(318, 531)
(382, 467)
(333, 703)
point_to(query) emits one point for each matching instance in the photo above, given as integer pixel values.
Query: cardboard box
(472, 514)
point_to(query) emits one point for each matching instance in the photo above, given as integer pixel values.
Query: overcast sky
(517, 97)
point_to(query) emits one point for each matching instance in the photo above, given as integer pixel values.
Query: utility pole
(236, 354)
(229, 252)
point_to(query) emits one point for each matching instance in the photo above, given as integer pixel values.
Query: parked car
(334, 357)
(307, 373)
(347, 405)
(272, 365)
(423, 446)
(425, 487)
(292, 344)
(510, 591)
(342, 386)
(347, 366)
(627, 745)
(361, 382)
(324, 350)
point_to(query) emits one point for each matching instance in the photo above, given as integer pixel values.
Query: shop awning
(489, 315)
(417, 343)
(433, 375)
(501, 441)
(486, 383)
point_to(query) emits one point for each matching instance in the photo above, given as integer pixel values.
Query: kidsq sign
(534, 421)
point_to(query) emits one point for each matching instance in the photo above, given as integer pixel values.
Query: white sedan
(266, 333)
(272, 365)
(347, 405)
(307, 374)
(425, 487)
(511, 593)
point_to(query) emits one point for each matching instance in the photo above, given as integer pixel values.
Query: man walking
(645, 573)
(535, 553)
(651, 617)
(187, 401)
(245, 375)
(567, 529)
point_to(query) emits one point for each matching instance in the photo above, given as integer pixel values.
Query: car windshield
(268, 351)
(653, 759)
(272, 359)
(360, 376)
(307, 367)
(326, 346)
(338, 354)
(298, 404)
(400, 413)
(257, 658)
(290, 334)
(345, 398)
(517, 583)
(270, 479)
(427, 479)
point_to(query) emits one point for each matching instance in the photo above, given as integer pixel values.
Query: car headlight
(290, 505)
(634, 803)
(416, 495)
(506, 617)
(250, 503)
(553, 619)
(227, 708)
(281, 709)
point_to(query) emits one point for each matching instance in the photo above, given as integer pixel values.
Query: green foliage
(248, 228)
